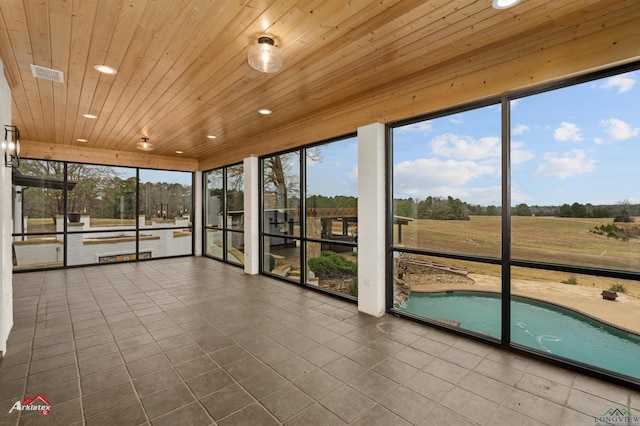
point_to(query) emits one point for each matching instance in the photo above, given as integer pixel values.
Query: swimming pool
(535, 324)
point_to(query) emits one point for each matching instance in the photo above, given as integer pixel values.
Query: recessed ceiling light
(82, 140)
(89, 116)
(504, 4)
(265, 111)
(211, 137)
(179, 152)
(105, 69)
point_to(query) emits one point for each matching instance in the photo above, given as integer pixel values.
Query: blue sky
(335, 171)
(577, 144)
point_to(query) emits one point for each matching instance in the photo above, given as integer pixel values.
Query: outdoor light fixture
(504, 4)
(11, 146)
(145, 145)
(264, 56)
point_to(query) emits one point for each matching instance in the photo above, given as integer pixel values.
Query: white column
(196, 214)
(251, 216)
(371, 219)
(6, 264)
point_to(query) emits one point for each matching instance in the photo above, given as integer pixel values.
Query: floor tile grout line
(123, 363)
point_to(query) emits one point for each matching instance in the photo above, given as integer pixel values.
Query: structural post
(6, 256)
(196, 214)
(251, 216)
(371, 219)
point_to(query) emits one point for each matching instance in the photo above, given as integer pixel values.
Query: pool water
(535, 324)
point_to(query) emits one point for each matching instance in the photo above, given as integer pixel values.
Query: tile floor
(192, 341)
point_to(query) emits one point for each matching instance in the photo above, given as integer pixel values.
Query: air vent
(47, 73)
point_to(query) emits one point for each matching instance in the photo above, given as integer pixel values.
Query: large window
(79, 214)
(577, 212)
(309, 219)
(224, 214)
(556, 273)
(446, 201)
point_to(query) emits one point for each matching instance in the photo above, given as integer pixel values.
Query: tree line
(450, 208)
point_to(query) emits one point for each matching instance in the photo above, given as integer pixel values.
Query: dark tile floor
(192, 341)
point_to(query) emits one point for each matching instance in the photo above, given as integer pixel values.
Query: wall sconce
(264, 56)
(11, 146)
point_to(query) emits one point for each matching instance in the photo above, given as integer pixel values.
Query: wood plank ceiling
(183, 72)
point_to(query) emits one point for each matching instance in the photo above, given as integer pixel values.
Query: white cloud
(622, 82)
(421, 127)
(574, 162)
(598, 141)
(514, 103)
(619, 130)
(441, 178)
(567, 132)
(465, 147)
(519, 156)
(436, 173)
(520, 129)
(456, 119)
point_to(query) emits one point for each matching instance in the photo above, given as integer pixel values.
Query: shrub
(332, 265)
(571, 280)
(353, 289)
(611, 230)
(618, 288)
(272, 262)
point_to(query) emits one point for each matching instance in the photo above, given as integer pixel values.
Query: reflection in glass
(280, 258)
(456, 293)
(281, 195)
(447, 185)
(591, 319)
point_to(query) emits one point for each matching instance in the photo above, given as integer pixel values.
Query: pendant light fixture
(264, 56)
(145, 145)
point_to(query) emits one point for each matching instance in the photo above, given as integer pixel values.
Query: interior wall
(6, 266)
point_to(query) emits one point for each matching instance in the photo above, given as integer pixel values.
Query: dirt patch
(431, 277)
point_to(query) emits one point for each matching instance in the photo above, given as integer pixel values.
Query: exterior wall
(6, 289)
(83, 249)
